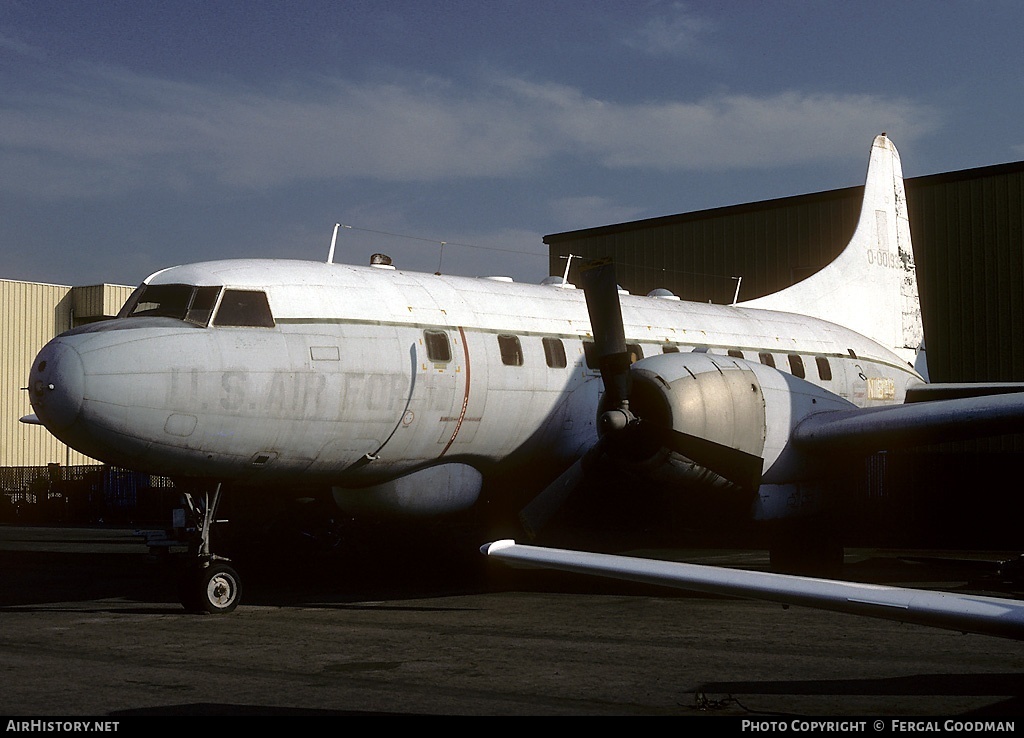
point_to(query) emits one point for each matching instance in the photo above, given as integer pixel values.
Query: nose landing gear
(208, 584)
(212, 588)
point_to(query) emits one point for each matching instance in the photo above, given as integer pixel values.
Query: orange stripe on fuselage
(465, 394)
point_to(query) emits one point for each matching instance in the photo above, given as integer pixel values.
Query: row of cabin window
(439, 350)
(796, 362)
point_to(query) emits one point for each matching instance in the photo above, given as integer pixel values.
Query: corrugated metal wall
(698, 255)
(33, 314)
(99, 302)
(968, 228)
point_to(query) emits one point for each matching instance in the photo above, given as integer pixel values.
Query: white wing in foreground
(992, 616)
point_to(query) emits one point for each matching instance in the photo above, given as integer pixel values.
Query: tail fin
(871, 287)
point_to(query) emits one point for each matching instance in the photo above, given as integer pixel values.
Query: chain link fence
(83, 495)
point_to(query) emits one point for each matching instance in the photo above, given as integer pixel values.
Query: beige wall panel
(99, 301)
(114, 298)
(32, 315)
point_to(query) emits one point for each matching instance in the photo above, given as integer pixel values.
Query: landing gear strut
(208, 584)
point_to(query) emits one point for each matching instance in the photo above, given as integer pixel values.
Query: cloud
(114, 127)
(728, 131)
(109, 131)
(678, 31)
(18, 48)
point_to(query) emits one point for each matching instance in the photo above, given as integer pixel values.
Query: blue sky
(137, 135)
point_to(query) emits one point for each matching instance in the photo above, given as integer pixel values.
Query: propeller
(739, 467)
(602, 295)
(553, 498)
(619, 428)
(601, 292)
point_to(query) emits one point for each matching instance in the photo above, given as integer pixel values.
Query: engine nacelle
(730, 402)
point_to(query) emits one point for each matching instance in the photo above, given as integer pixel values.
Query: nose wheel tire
(214, 589)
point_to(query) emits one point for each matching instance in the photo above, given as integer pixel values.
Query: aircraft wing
(966, 613)
(912, 424)
(952, 390)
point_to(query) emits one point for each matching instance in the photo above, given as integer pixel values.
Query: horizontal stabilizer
(967, 613)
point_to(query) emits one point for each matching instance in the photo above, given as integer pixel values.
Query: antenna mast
(736, 295)
(568, 261)
(334, 240)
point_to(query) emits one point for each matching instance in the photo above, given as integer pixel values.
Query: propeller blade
(739, 467)
(602, 295)
(542, 508)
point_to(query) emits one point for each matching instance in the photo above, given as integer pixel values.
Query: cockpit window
(178, 301)
(204, 299)
(244, 308)
(161, 301)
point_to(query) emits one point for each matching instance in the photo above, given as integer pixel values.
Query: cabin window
(511, 350)
(439, 350)
(796, 366)
(248, 308)
(554, 353)
(667, 349)
(736, 353)
(635, 352)
(824, 369)
(767, 359)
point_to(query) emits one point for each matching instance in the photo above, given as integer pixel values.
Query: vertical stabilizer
(871, 287)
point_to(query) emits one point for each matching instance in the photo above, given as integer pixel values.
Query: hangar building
(41, 479)
(33, 314)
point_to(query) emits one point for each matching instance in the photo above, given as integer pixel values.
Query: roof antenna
(440, 258)
(334, 240)
(568, 260)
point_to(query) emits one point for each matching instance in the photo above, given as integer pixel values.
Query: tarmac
(90, 627)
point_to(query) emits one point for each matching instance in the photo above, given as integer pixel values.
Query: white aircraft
(426, 395)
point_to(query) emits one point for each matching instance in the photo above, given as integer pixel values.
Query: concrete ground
(90, 626)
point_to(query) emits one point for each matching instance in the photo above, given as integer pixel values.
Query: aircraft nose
(57, 385)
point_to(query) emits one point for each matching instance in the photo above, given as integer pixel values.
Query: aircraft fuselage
(268, 370)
